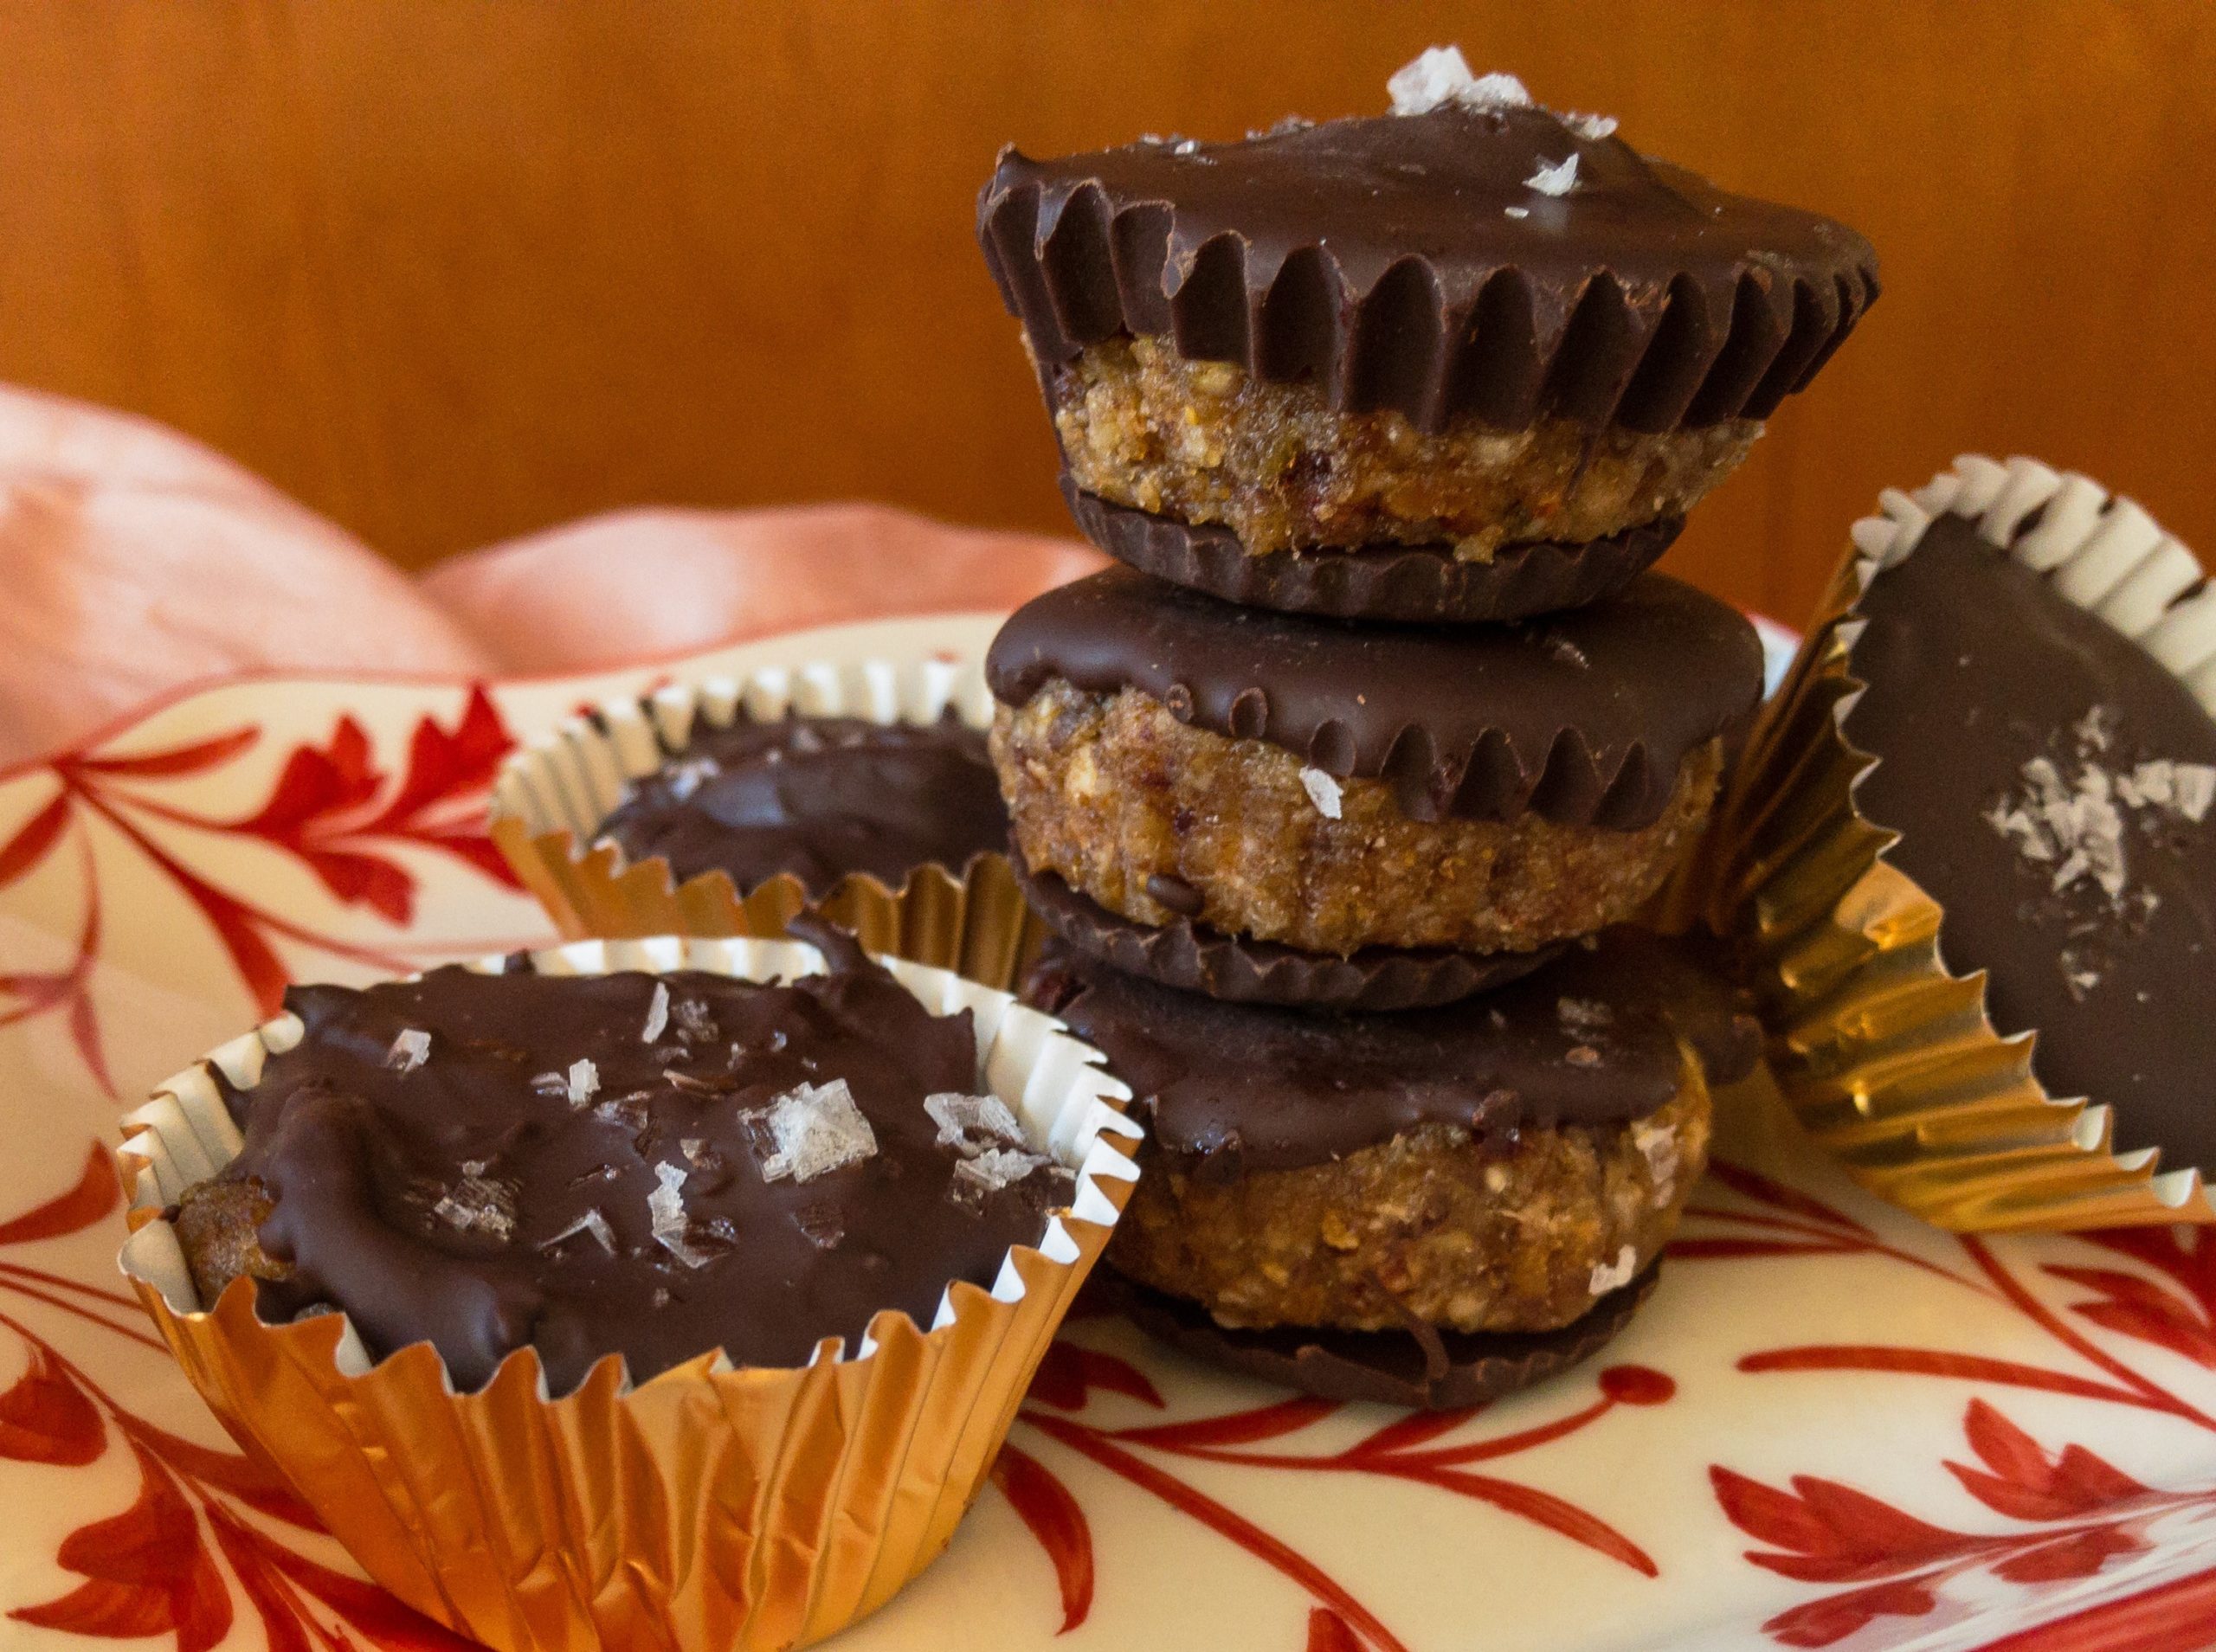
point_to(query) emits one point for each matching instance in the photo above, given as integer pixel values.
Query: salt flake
(1607, 1276)
(972, 1123)
(1441, 76)
(591, 1222)
(657, 1014)
(813, 1131)
(583, 1080)
(1591, 128)
(477, 1204)
(1324, 792)
(665, 1209)
(1559, 179)
(410, 1049)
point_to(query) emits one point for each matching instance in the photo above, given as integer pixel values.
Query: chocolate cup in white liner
(1908, 919)
(555, 794)
(711, 1505)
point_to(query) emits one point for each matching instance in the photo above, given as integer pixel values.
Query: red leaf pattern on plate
(95, 1195)
(147, 1571)
(45, 1417)
(1069, 1373)
(1328, 1632)
(1053, 1516)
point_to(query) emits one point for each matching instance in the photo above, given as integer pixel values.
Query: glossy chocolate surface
(817, 797)
(471, 1201)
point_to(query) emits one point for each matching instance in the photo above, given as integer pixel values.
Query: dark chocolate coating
(1376, 256)
(817, 797)
(1242, 970)
(1429, 1368)
(1975, 664)
(356, 1154)
(1582, 718)
(1246, 1086)
(1416, 584)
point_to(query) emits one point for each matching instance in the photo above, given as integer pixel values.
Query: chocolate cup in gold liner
(709, 1508)
(554, 793)
(1888, 1059)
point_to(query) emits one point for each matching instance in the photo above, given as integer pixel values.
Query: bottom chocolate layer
(1416, 584)
(1198, 959)
(1423, 1368)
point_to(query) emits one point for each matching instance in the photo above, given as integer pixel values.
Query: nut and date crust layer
(1110, 791)
(1428, 1225)
(1206, 442)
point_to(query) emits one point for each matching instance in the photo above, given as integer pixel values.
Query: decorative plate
(1831, 1427)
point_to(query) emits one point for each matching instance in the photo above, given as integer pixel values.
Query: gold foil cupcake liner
(555, 791)
(712, 1507)
(1889, 1058)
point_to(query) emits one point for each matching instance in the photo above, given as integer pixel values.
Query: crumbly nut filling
(1430, 1224)
(1206, 442)
(1109, 790)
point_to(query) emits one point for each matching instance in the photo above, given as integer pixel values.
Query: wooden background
(453, 269)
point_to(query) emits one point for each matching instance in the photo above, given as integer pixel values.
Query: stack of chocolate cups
(1344, 793)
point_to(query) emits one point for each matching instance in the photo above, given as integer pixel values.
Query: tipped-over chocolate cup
(1414, 584)
(1479, 325)
(1332, 786)
(1970, 862)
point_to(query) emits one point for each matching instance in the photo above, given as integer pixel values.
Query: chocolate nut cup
(555, 794)
(710, 1507)
(1914, 1035)
(1477, 321)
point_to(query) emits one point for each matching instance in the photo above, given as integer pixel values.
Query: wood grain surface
(453, 269)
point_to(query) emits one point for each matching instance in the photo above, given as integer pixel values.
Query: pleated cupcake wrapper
(1889, 1058)
(709, 1508)
(554, 793)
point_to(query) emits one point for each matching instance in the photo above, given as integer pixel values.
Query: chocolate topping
(1415, 583)
(817, 797)
(1977, 668)
(1405, 262)
(584, 1164)
(1592, 1039)
(1198, 959)
(1582, 718)
(1425, 1368)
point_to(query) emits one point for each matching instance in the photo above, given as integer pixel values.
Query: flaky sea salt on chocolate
(478, 1204)
(1559, 179)
(410, 1049)
(583, 1080)
(1441, 76)
(971, 1124)
(657, 1014)
(665, 1209)
(814, 1130)
(592, 1221)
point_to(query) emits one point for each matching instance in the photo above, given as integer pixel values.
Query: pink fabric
(620, 588)
(133, 561)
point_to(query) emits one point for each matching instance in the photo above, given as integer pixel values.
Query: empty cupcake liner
(712, 1507)
(1889, 1058)
(555, 791)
